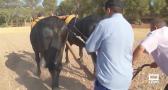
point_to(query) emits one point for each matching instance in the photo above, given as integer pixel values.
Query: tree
(29, 3)
(7, 15)
(2, 18)
(16, 11)
(156, 7)
(88, 7)
(49, 6)
(135, 9)
(100, 6)
(81, 7)
(66, 7)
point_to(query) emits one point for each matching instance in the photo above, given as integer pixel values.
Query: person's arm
(138, 52)
(147, 46)
(95, 40)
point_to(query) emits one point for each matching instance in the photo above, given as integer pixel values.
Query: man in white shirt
(156, 44)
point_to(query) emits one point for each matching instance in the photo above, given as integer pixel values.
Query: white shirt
(156, 44)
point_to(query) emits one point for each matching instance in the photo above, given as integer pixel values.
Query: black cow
(83, 28)
(48, 38)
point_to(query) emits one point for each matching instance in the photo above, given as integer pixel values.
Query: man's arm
(138, 52)
(95, 40)
(148, 45)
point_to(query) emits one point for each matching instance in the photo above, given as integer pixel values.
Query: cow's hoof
(38, 74)
(67, 62)
(58, 88)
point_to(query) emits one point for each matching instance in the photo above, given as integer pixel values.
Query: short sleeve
(151, 42)
(95, 40)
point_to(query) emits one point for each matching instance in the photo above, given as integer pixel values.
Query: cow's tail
(47, 35)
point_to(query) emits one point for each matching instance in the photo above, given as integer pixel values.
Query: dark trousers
(98, 86)
(166, 88)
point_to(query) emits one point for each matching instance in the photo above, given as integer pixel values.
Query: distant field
(140, 33)
(14, 29)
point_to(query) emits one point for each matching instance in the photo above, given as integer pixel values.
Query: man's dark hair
(159, 22)
(115, 5)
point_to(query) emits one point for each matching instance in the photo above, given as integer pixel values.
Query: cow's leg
(55, 69)
(81, 54)
(66, 56)
(55, 72)
(37, 57)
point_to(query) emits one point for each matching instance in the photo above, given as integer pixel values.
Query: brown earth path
(17, 66)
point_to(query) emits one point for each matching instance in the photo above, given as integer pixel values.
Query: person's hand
(153, 65)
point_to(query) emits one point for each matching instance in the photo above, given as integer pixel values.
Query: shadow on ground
(23, 65)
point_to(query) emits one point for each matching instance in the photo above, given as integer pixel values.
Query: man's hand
(153, 65)
(137, 53)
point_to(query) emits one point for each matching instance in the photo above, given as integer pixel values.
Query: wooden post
(70, 49)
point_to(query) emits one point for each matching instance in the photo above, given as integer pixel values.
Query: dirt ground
(17, 66)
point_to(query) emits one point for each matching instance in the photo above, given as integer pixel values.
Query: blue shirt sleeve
(94, 41)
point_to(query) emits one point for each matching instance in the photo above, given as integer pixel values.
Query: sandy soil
(17, 67)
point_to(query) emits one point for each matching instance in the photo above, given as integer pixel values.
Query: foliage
(81, 7)
(49, 6)
(136, 9)
(156, 6)
(19, 12)
(66, 7)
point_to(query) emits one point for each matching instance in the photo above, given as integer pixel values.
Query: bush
(2, 19)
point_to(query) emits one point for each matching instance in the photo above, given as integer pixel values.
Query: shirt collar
(117, 15)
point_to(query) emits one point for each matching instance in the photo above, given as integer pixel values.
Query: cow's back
(46, 32)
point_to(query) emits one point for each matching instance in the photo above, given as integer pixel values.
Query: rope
(139, 69)
(81, 34)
